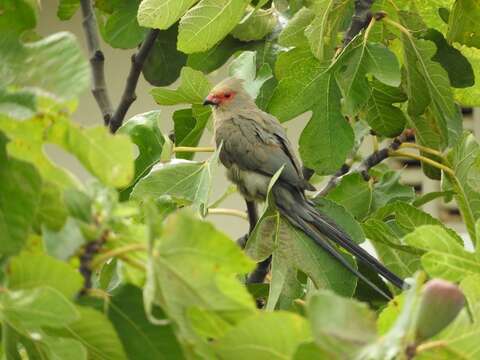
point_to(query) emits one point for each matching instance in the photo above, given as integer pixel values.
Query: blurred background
(117, 65)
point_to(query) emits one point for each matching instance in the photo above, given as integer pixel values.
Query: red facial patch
(222, 97)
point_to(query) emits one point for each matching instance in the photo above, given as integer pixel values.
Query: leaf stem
(229, 212)
(193, 149)
(422, 148)
(118, 252)
(424, 159)
(400, 27)
(375, 143)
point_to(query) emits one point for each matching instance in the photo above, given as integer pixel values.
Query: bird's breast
(252, 185)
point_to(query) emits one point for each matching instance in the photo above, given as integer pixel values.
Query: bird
(253, 147)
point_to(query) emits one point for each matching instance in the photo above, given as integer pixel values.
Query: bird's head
(228, 94)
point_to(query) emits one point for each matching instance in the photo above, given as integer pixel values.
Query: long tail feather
(333, 232)
(325, 245)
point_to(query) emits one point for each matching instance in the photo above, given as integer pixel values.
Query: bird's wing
(252, 147)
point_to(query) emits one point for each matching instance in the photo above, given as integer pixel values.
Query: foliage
(128, 266)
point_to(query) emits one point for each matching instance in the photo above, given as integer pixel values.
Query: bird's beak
(210, 100)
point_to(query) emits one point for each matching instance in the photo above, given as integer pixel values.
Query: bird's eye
(227, 95)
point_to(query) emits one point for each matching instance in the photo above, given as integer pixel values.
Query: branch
(360, 19)
(99, 88)
(374, 159)
(90, 250)
(129, 96)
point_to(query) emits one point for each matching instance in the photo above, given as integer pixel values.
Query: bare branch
(129, 96)
(374, 159)
(360, 19)
(99, 88)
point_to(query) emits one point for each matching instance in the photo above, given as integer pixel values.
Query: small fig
(440, 303)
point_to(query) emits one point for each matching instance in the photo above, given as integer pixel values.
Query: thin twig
(422, 159)
(193, 149)
(129, 96)
(360, 19)
(421, 148)
(99, 87)
(229, 212)
(100, 259)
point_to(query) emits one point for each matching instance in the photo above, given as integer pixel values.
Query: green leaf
(215, 57)
(428, 87)
(409, 217)
(64, 243)
(469, 97)
(39, 307)
(393, 342)
(17, 16)
(187, 182)
(108, 157)
(293, 251)
(264, 337)
(343, 218)
(161, 14)
(28, 271)
(164, 62)
(471, 289)
(193, 89)
(328, 138)
(19, 199)
(444, 257)
(463, 24)
(460, 71)
(462, 159)
(189, 126)
(141, 339)
(244, 67)
(357, 60)
(322, 33)
(67, 8)
(300, 81)
(144, 132)
(388, 189)
(293, 34)
(95, 332)
(18, 104)
(395, 256)
(194, 266)
(55, 348)
(340, 325)
(26, 143)
(459, 341)
(121, 30)
(207, 23)
(256, 27)
(51, 209)
(309, 350)
(426, 198)
(57, 55)
(354, 194)
(78, 204)
(383, 117)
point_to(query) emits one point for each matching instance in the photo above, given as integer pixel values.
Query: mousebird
(254, 146)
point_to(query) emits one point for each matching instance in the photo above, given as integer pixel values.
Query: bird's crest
(231, 83)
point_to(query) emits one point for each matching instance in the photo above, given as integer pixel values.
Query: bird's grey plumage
(254, 148)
